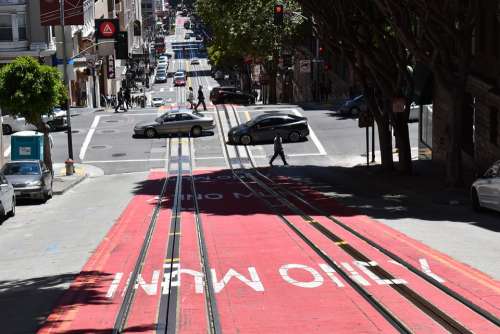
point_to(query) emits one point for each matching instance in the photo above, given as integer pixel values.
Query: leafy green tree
(31, 90)
(244, 28)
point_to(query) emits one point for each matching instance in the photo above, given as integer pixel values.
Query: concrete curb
(70, 185)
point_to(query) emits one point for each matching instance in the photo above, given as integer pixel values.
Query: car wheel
(476, 205)
(354, 111)
(294, 137)
(7, 129)
(150, 133)
(196, 131)
(246, 140)
(12, 212)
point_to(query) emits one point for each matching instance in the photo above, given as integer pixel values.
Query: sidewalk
(63, 182)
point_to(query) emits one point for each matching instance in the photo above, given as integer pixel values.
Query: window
(21, 26)
(494, 125)
(5, 28)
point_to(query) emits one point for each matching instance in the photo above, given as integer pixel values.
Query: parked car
(195, 61)
(187, 36)
(485, 192)
(264, 127)
(179, 78)
(157, 102)
(230, 94)
(30, 178)
(354, 106)
(175, 122)
(57, 120)
(7, 198)
(219, 75)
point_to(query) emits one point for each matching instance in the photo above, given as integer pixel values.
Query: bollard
(70, 167)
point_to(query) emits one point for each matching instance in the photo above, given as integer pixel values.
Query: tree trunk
(47, 154)
(454, 170)
(403, 140)
(385, 142)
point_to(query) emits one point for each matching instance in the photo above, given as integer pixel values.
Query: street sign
(106, 28)
(111, 67)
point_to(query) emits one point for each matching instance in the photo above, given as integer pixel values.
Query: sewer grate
(112, 121)
(98, 147)
(119, 154)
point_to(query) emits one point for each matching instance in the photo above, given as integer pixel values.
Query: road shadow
(26, 303)
(176, 135)
(351, 191)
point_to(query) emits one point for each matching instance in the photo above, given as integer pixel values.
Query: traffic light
(321, 51)
(121, 45)
(278, 15)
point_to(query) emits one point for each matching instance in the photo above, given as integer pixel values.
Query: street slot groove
(123, 313)
(446, 321)
(386, 313)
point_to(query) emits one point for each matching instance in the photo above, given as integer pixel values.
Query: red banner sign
(50, 13)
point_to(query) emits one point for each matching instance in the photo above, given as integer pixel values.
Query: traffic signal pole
(69, 162)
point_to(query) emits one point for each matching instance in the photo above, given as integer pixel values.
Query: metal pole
(93, 87)
(66, 82)
(367, 146)
(1, 139)
(373, 142)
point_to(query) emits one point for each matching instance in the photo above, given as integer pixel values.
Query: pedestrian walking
(120, 100)
(201, 99)
(190, 98)
(127, 97)
(278, 149)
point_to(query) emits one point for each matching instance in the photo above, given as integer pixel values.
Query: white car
(157, 102)
(13, 123)
(7, 198)
(485, 191)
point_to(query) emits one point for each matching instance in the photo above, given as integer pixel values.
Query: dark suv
(230, 94)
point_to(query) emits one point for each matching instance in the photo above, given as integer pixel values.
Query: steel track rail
(122, 316)
(172, 252)
(386, 313)
(211, 303)
(442, 318)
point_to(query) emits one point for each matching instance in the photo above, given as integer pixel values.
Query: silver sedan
(175, 122)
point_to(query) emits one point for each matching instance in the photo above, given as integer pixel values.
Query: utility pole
(69, 161)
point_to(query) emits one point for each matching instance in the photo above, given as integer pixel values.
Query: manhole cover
(119, 154)
(112, 121)
(98, 147)
(108, 131)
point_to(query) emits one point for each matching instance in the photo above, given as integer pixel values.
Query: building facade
(21, 33)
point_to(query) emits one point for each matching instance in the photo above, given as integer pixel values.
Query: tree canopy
(246, 28)
(29, 89)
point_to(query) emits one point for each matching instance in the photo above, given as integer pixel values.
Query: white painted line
(86, 142)
(7, 152)
(171, 89)
(120, 161)
(207, 158)
(315, 139)
(305, 154)
(161, 89)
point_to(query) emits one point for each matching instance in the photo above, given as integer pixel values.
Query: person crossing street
(190, 98)
(278, 149)
(201, 99)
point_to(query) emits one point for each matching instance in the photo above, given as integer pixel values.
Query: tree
(31, 90)
(244, 28)
(440, 34)
(360, 31)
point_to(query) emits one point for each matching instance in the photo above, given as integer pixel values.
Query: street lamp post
(69, 162)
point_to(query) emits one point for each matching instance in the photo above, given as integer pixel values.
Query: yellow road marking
(176, 233)
(175, 259)
(343, 242)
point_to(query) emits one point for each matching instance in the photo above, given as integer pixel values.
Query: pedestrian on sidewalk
(201, 99)
(190, 98)
(128, 100)
(278, 149)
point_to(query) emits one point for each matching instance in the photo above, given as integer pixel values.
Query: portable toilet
(26, 145)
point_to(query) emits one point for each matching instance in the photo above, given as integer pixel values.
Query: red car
(179, 79)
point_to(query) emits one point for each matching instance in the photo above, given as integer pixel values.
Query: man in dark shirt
(278, 149)
(201, 99)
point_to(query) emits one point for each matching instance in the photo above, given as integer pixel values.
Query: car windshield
(157, 99)
(21, 168)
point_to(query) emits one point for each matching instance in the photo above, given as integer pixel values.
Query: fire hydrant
(70, 168)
